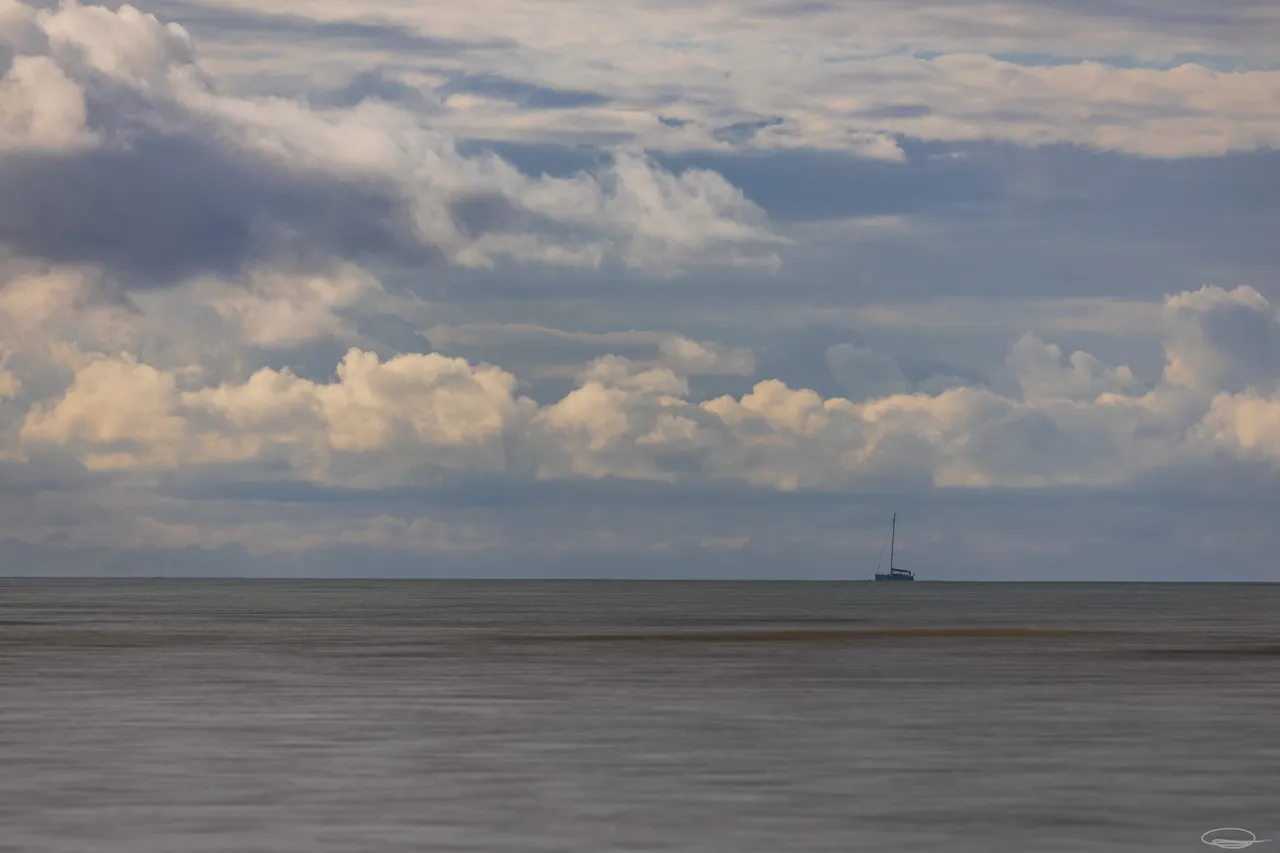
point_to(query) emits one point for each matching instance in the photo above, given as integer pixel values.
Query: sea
(176, 716)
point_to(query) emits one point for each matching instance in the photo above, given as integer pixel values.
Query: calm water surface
(182, 716)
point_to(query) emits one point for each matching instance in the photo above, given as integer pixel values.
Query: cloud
(274, 308)
(1064, 421)
(1225, 340)
(1133, 78)
(40, 108)
(122, 415)
(865, 373)
(544, 352)
(55, 321)
(1041, 373)
(114, 402)
(526, 95)
(118, 149)
(444, 256)
(1244, 423)
(250, 23)
(691, 358)
(864, 106)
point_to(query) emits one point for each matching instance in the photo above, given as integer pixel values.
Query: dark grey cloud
(171, 205)
(475, 214)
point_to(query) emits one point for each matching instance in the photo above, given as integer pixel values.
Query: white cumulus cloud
(1072, 421)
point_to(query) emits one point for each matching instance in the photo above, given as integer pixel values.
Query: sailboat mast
(893, 532)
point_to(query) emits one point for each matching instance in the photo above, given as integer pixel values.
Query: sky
(644, 289)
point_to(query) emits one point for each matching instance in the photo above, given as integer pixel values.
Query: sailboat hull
(894, 576)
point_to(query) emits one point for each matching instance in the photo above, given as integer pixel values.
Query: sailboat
(894, 574)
